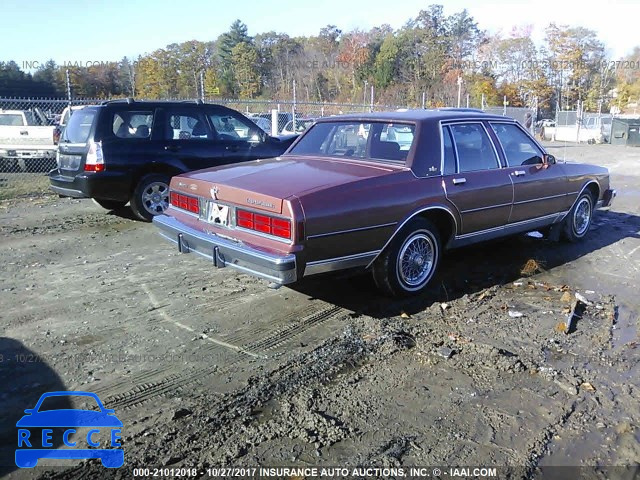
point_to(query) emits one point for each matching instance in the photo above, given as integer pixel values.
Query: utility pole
(504, 106)
(68, 90)
(459, 89)
(423, 99)
(364, 94)
(293, 106)
(202, 86)
(468, 100)
(371, 107)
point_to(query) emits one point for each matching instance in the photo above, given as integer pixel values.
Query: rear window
(79, 126)
(361, 140)
(11, 119)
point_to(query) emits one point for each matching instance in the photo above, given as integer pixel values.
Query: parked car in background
(126, 151)
(345, 196)
(301, 125)
(26, 141)
(283, 119)
(263, 123)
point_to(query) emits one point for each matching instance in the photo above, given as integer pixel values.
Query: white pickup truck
(26, 141)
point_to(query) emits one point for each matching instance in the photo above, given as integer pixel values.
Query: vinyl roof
(418, 115)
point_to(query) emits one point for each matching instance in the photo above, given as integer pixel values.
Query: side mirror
(549, 159)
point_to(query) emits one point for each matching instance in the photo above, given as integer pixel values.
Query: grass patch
(14, 185)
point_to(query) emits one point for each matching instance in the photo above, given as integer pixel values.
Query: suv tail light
(57, 132)
(278, 227)
(95, 160)
(185, 202)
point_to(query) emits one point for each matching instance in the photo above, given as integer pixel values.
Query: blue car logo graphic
(33, 446)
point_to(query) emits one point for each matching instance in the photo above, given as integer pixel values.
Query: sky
(79, 32)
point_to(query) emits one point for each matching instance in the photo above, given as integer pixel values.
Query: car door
(473, 178)
(240, 138)
(188, 139)
(539, 189)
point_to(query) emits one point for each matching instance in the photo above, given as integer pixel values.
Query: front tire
(577, 223)
(409, 262)
(151, 196)
(109, 204)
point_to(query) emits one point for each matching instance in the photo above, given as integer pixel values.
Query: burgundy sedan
(385, 192)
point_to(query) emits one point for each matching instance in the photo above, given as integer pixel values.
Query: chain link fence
(30, 128)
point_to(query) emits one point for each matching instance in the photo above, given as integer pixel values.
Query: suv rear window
(132, 124)
(77, 131)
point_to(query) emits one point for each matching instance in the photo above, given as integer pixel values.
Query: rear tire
(110, 204)
(409, 262)
(151, 196)
(577, 222)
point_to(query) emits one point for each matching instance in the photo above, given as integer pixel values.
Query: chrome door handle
(519, 173)
(459, 181)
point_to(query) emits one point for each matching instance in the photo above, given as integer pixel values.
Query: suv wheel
(151, 196)
(409, 261)
(110, 204)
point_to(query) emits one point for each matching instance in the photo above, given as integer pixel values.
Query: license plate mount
(218, 214)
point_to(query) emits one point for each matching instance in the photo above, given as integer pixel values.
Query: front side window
(185, 126)
(517, 146)
(363, 140)
(132, 124)
(232, 127)
(475, 150)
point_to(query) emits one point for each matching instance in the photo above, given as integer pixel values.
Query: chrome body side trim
(412, 216)
(544, 198)
(578, 196)
(350, 230)
(508, 229)
(487, 208)
(340, 263)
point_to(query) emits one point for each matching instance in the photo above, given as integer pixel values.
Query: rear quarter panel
(362, 216)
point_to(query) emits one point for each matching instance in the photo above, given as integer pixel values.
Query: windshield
(79, 126)
(388, 142)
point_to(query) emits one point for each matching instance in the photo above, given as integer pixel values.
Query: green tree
(244, 63)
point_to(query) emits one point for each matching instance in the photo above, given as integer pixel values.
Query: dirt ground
(209, 368)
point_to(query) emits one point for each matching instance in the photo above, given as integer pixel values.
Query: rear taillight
(185, 202)
(95, 159)
(259, 222)
(57, 131)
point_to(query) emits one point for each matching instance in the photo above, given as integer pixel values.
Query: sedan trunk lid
(263, 184)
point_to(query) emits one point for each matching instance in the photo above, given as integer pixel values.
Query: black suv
(127, 151)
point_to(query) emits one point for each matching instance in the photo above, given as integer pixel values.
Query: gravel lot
(210, 368)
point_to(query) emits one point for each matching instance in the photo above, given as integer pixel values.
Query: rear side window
(136, 124)
(518, 147)
(449, 153)
(11, 119)
(475, 150)
(79, 126)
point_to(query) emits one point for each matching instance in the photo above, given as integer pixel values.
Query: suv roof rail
(119, 100)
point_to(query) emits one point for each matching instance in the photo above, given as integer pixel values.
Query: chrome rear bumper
(279, 269)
